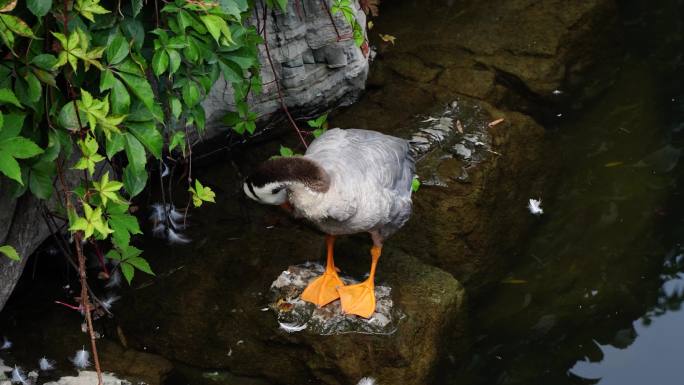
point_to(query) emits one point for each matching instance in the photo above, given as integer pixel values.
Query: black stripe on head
(251, 189)
(291, 169)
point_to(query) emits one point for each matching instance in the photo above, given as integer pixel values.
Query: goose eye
(276, 190)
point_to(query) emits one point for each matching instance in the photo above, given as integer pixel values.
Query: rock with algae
(295, 315)
(214, 317)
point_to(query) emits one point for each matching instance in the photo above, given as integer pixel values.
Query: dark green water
(597, 298)
(597, 295)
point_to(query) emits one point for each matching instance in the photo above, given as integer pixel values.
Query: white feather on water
(114, 279)
(6, 344)
(109, 300)
(82, 359)
(535, 207)
(291, 328)
(367, 381)
(18, 376)
(177, 238)
(44, 364)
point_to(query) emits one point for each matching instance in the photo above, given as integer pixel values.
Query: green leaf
(8, 96)
(44, 61)
(201, 194)
(12, 125)
(286, 151)
(318, 132)
(216, 26)
(140, 264)
(123, 225)
(117, 49)
(128, 271)
(135, 152)
(89, 8)
(20, 148)
(41, 176)
(134, 30)
(318, 122)
(174, 61)
(148, 135)
(10, 167)
(67, 117)
(39, 8)
(136, 6)
(114, 145)
(415, 184)
(141, 89)
(35, 89)
(178, 139)
(90, 156)
(17, 25)
(190, 93)
(108, 190)
(106, 80)
(134, 180)
(176, 107)
(10, 252)
(160, 62)
(119, 97)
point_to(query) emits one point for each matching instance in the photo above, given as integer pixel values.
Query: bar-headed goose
(349, 181)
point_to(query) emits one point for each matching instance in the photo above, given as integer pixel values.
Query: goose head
(275, 179)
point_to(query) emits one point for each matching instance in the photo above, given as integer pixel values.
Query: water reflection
(592, 301)
(649, 352)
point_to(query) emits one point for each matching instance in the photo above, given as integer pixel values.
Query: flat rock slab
(88, 377)
(295, 315)
(417, 306)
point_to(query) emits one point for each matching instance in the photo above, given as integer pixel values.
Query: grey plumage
(370, 183)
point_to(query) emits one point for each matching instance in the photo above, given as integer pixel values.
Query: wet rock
(149, 368)
(511, 54)
(4, 369)
(471, 212)
(216, 314)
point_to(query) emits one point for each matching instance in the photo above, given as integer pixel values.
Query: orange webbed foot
(358, 299)
(323, 289)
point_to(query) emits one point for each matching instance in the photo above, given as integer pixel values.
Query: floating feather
(44, 364)
(109, 300)
(174, 237)
(18, 376)
(114, 279)
(159, 230)
(291, 328)
(535, 207)
(165, 172)
(6, 344)
(367, 381)
(82, 359)
(158, 212)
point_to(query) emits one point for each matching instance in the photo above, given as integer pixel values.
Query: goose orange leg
(323, 289)
(359, 299)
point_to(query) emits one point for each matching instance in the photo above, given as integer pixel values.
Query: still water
(598, 296)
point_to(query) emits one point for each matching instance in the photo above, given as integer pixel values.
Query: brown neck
(292, 169)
